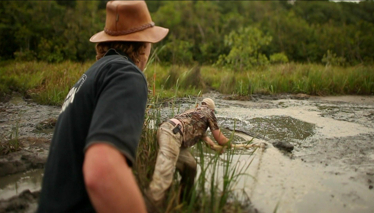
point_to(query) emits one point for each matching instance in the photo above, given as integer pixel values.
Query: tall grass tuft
(193, 80)
(228, 83)
(174, 75)
(9, 141)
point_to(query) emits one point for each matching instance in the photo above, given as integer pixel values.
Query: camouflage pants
(171, 156)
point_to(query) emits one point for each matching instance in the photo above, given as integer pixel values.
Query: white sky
(355, 1)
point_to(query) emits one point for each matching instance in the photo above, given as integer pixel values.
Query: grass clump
(43, 82)
(10, 141)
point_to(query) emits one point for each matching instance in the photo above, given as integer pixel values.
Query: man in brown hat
(175, 136)
(99, 127)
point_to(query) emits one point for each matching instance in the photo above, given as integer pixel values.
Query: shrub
(278, 58)
(331, 59)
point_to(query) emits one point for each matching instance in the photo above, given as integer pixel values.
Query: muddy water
(22, 120)
(331, 168)
(13, 185)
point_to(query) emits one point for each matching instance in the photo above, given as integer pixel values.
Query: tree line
(238, 34)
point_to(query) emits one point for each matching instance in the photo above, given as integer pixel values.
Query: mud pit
(331, 168)
(21, 172)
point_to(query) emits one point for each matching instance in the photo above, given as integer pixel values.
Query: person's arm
(213, 145)
(210, 143)
(109, 181)
(217, 134)
(219, 137)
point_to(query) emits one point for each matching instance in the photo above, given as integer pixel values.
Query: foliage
(178, 52)
(278, 58)
(48, 30)
(56, 31)
(245, 48)
(331, 59)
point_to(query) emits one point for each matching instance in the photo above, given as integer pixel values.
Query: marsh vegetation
(49, 83)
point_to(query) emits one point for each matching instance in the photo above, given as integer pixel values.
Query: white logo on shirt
(70, 97)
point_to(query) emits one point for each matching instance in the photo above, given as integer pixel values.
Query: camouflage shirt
(195, 123)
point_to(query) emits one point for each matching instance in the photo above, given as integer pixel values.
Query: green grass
(43, 82)
(312, 79)
(49, 83)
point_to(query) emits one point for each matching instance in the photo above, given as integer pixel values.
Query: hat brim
(152, 35)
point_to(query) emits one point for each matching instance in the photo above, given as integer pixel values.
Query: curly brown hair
(132, 49)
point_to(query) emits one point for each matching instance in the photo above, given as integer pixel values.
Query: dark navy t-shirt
(106, 104)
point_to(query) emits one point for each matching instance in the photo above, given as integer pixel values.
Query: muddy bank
(330, 167)
(26, 202)
(26, 131)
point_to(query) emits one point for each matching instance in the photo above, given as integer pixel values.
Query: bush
(27, 55)
(278, 58)
(331, 59)
(245, 49)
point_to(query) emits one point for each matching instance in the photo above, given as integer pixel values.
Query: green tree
(59, 30)
(245, 48)
(81, 23)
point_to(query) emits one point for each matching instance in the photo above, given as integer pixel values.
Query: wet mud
(331, 166)
(25, 134)
(318, 157)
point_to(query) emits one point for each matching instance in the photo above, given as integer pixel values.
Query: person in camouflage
(175, 136)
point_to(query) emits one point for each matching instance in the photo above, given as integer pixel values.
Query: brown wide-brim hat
(129, 21)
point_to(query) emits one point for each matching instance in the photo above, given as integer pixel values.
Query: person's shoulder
(118, 62)
(115, 58)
